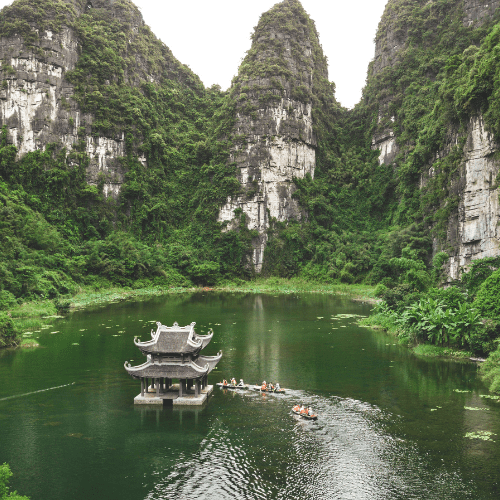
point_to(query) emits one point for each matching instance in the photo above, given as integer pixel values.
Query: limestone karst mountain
(469, 198)
(277, 93)
(115, 149)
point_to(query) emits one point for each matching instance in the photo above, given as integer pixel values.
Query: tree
(5, 475)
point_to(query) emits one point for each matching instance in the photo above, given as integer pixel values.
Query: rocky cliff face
(472, 229)
(36, 102)
(392, 37)
(273, 132)
(473, 233)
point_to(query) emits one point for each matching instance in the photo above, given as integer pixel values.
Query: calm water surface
(391, 426)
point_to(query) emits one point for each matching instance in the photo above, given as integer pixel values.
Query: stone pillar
(157, 385)
(197, 388)
(147, 384)
(181, 388)
(142, 387)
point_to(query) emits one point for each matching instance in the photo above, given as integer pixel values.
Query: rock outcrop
(37, 99)
(36, 105)
(474, 233)
(273, 133)
(391, 40)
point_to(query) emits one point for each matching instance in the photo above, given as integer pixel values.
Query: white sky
(211, 37)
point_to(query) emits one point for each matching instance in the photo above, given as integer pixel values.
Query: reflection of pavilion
(174, 353)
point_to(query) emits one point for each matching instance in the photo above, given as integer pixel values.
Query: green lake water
(391, 425)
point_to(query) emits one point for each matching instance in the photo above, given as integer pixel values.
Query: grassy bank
(30, 318)
(387, 322)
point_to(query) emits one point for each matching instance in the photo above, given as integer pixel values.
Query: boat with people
(304, 412)
(270, 388)
(233, 384)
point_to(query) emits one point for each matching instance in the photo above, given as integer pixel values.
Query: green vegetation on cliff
(366, 222)
(59, 232)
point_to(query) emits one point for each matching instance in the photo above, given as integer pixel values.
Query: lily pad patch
(484, 435)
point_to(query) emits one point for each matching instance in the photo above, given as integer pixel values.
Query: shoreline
(29, 317)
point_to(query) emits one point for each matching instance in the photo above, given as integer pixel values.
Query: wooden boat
(305, 415)
(271, 391)
(229, 386)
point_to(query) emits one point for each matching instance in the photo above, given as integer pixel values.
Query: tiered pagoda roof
(173, 353)
(175, 340)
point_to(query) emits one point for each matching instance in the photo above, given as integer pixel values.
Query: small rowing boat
(229, 386)
(304, 414)
(268, 389)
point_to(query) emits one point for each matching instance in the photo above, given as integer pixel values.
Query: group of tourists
(233, 383)
(302, 410)
(270, 387)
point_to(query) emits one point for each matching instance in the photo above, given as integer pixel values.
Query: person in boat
(296, 408)
(240, 383)
(233, 382)
(224, 382)
(277, 388)
(310, 412)
(264, 386)
(303, 410)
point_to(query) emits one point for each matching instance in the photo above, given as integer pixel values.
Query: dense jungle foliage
(58, 232)
(366, 222)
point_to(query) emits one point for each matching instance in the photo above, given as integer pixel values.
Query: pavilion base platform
(172, 397)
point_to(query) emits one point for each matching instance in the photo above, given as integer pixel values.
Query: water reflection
(391, 426)
(347, 454)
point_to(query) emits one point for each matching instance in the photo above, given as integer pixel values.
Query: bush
(488, 297)
(5, 475)
(453, 297)
(346, 277)
(436, 322)
(482, 341)
(7, 330)
(7, 300)
(205, 274)
(490, 371)
(479, 272)
(400, 296)
(380, 290)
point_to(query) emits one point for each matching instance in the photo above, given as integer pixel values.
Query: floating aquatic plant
(489, 396)
(347, 316)
(459, 390)
(484, 435)
(476, 408)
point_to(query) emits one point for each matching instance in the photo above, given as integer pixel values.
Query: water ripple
(346, 454)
